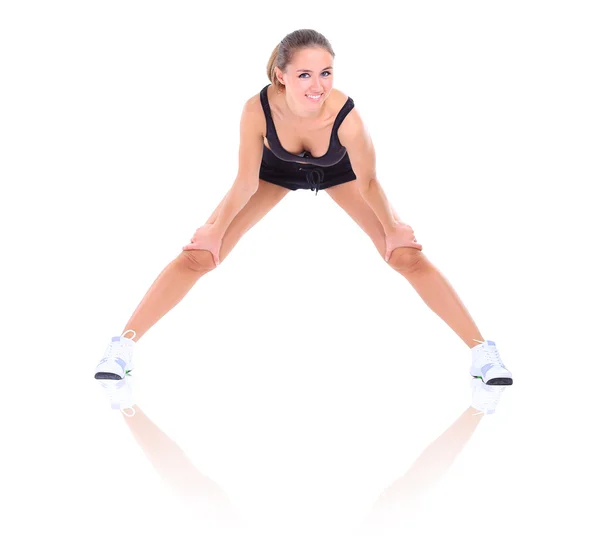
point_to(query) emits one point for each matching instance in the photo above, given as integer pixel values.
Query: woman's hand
(401, 235)
(206, 237)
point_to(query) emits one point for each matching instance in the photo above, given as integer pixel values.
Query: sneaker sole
(109, 375)
(496, 381)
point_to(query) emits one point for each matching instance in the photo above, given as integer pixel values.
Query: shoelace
(116, 348)
(113, 350)
(491, 354)
(310, 177)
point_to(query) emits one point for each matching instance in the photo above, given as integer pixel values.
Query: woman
(301, 133)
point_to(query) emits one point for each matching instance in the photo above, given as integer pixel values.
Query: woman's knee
(200, 260)
(406, 259)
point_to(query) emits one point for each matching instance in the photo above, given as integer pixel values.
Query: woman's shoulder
(253, 103)
(341, 97)
(253, 113)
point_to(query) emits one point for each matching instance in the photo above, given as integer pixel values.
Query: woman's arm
(355, 138)
(250, 157)
(215, 214)
(373, 194)
(237, 197)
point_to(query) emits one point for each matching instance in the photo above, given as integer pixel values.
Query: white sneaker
(485, 398)
(120, 394)
(488, 366)
(117, 358)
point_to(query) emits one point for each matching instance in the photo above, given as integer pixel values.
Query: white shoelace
(491, 354)
(116, 350)
(113, 350)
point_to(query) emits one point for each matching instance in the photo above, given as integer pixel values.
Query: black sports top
(336, 150)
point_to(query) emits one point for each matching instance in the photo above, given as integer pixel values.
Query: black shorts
(294, 175)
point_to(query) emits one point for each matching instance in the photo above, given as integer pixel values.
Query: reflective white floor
(335, 449)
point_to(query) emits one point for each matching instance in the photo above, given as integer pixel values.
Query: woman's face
(309, 73)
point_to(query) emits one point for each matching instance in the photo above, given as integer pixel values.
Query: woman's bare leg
(425, 278)
(180, 275)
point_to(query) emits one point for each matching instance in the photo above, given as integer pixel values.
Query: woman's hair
(282, 55)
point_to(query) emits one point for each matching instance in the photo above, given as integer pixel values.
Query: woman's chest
(296, 138)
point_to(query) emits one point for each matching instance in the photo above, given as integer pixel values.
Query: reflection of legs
(427, 280)
(176, 469)
(180, 275)
(429, 467)
(437, 458)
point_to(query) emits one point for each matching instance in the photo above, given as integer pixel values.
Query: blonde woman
(300, 132)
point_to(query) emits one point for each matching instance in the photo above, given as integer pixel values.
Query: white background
(304, 375)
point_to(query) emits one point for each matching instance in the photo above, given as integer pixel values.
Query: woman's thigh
(260, 203)
(348, 197)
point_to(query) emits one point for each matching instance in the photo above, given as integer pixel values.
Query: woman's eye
(307, 74)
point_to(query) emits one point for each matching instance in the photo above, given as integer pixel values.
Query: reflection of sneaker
(487, 364)
(120, 394)
(485, 397)
(117, 358)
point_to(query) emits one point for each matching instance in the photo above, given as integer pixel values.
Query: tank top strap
(265, 105)
(346, 109)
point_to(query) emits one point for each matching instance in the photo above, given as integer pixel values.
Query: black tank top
(334, 154)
